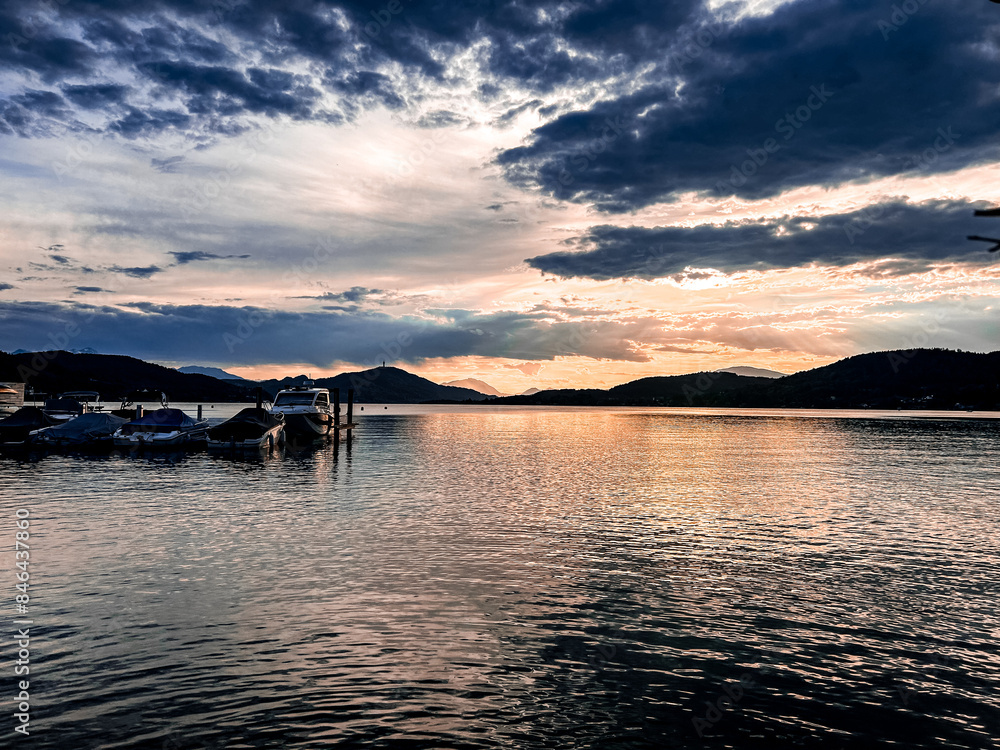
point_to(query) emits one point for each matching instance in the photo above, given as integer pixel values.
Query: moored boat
(91, 430)
(306, 410)
(15, 430)
(251, 429)
(162, 428)
(62, 409)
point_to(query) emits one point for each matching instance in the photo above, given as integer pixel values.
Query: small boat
(15, 430)
(306, 409)
(90, 400)
(91, 430)
(62, 409)
(251, 429)
(162, 428)
(134, 398)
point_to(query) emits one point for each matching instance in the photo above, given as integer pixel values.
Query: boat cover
(174, 418)
(85, 427)
(16, 427)
(249, 424)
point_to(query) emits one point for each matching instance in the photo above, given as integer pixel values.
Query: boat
(306, 409)
(134, 398)
(253, 428)
(90, 430)
(162, 428)
(15, 430)
(90, 400)
(62, 409)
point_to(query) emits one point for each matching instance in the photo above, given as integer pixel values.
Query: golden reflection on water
(513, 578)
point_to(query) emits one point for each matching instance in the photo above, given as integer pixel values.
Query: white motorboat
(306, 409)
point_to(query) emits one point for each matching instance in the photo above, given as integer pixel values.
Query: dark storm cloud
(4, 286)
(190, 256)
(820, 92)
(96, 96)
(181, 64)
(88, 289)
(915, 234)
(257, 336)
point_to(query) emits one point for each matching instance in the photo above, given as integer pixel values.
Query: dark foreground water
(520, 579)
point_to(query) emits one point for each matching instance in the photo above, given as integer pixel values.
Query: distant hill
(382, 385)
(212, 372)
(905, 379)
(753, 372)
(530, 392)
(112, 376)
(476, 385)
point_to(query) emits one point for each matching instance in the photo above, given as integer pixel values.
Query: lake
(490, 577)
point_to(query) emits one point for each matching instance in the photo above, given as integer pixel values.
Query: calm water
(521, 578)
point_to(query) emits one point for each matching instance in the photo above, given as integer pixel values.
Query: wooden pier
(346, 427)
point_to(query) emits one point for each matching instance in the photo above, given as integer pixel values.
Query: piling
(260, 397)
(138, 411)
(336, 419)
(199, 412)
(350, 416)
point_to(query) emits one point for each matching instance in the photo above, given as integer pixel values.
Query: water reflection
(527, 579)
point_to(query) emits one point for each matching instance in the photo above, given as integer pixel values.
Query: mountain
(212, 372)
(383, 385)
(476, 385)
(530, 392)
(112, 376)
(906, 379)
(753, 372)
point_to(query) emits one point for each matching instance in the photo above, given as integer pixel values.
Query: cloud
(4, 286)
(168, 165)
(136, 272)
(190, 256)
(771, 103)
(248, 335)
(916, 234)
(88, 289)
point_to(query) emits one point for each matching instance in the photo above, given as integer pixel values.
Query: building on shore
(11, 396)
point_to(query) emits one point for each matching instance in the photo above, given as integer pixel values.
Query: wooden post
(199, 412)
(350, 409)
(336, 418)
(260, 397)
(138, 411)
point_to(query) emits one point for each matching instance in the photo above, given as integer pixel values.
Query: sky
(535, 194)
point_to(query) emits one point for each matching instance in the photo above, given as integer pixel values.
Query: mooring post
(199, 412)
(336, 408)
(138, 411)
(350, 409)
(260, 396)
